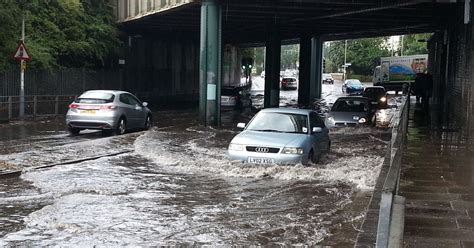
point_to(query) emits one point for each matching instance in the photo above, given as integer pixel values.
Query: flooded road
(177, 187)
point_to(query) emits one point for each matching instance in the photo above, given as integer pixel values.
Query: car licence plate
(260, 160)
(88, 111)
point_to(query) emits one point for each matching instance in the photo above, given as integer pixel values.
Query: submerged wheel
(148, 122)
(313, 158)
(74, 131)
(121, 126)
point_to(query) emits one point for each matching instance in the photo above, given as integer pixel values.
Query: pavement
(437, 181)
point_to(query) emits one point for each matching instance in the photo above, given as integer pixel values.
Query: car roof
(115, 92)
(287, 110)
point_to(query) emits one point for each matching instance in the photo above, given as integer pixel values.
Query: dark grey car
(109, 111)
(351, 111)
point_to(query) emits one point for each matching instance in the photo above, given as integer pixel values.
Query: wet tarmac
(179, 188)
(437, 181)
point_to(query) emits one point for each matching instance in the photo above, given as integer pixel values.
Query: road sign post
(22, 55)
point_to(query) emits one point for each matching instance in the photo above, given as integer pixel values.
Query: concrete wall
(164, 66)
(231, 66)
(452, 65)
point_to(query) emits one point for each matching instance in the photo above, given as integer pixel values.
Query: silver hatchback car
(109, 111)
(281, 135)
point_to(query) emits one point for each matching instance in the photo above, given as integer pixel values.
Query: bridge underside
(215, 23)
(246, 21)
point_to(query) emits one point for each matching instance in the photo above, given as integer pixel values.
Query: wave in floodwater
(129, 200)
(193, 152)
(180, 189)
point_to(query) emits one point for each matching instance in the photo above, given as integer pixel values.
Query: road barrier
(392, 206)
(36, 105)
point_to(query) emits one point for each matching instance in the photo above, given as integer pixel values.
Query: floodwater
(177, 187)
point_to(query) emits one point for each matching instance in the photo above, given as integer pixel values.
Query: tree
(363, 54)
(60, 33)
(289, 56)
(415, 44)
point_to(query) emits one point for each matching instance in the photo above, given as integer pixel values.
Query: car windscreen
(95, 98)
(229, 91)
(371, 92)
(279, 122)
(354, 82)
(327, 76)
(350, 105)
(289, 80)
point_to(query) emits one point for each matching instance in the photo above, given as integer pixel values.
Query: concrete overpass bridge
(185, 43)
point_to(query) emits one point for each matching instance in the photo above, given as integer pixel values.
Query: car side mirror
(241, 125)
(316, 130)
(144, 104)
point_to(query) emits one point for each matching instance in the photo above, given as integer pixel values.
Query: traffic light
(324, 65)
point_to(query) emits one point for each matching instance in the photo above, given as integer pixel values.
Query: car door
(320, 139)
(126, 108)
(137, 111)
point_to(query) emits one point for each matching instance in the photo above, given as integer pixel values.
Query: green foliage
(415, 44)
(363, 54)
(289, 56)
(60, 33)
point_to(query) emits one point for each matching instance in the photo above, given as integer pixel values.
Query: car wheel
(106, 132)
(148, 122)
(313, 157)
(74, 131)
(121, 126)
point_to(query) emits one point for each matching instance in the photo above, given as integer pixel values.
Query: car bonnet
(270, 139)
(347, 116)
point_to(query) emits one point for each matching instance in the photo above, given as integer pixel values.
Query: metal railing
(36, 105)
(391, 214)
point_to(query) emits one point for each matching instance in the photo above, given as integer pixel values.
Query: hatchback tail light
(108, 107)
(73, 106)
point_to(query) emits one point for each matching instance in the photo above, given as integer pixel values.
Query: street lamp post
(22, 73)
(345, 59)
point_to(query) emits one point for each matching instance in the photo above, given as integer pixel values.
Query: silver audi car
(281, 135)
(107, 110)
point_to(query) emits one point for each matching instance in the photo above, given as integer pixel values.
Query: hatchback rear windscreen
(96, 98)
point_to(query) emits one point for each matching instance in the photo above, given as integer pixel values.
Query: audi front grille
(261, 149)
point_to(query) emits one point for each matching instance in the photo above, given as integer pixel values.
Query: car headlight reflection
(292, 150)
(362, 120)
(236, 147)
(383, 99)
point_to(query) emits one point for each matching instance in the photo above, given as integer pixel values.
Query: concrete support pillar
(304, 70)
(210, 64)
(272, 67)
(315, 87)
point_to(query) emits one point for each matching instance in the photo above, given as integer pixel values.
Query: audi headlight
(293, 150)
(383, 99)
(362, 120)
(236, 147)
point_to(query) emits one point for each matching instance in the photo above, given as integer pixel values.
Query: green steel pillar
(304, 70)
(210, 64)
(272, 67)
(315, 87)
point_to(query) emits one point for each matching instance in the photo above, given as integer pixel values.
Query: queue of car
(273, 135)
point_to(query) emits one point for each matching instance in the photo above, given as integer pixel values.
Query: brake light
(73, 106)
(108, 107)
